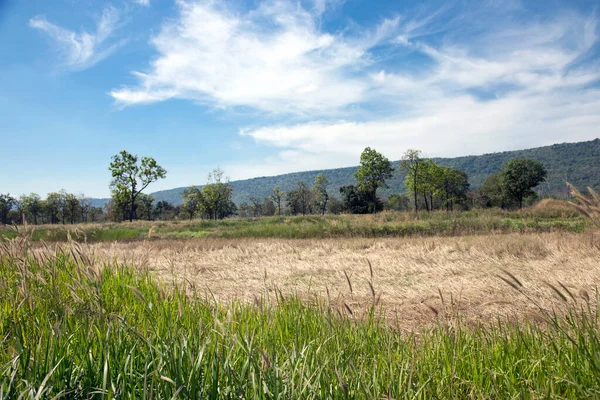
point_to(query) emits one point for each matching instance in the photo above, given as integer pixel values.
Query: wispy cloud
(81, 50)
(274, 58)
(142, 2)
(449, 81)
(515, 86)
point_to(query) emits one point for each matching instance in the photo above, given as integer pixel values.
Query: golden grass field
(413, 278)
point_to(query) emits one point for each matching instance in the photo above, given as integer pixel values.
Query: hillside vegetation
(577, 162)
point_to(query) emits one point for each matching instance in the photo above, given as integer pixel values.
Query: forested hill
(577, 162)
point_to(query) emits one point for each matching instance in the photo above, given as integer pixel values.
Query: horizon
(266, 88)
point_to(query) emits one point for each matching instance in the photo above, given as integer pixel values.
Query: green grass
(68, 329)
(398, 224)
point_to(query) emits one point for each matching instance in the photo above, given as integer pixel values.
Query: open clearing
(408, 274)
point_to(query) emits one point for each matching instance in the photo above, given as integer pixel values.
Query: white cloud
(508, 90)
(274, 58)
(142, 2)
(503, 83)
(82, 50)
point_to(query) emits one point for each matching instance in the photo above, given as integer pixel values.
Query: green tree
(53, 207)
(410, 163)
(32, 205)
(268, 207)
(71, 206)
(130, 177)
(163, 210)
(216, 196)
(256, 206)
(278, 195)
(492, 192)
(321, 195)
(192, 201)
(424, 181)
(398, 202)
(145, 206)
(454, 186)
(372, 173)
(520, 176)
(6, 204)
(85, 205)
(356, 201)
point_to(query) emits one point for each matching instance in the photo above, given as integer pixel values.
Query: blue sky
(267, 87)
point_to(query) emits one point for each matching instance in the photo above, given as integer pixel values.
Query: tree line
(429, 187)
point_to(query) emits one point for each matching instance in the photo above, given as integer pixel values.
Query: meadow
(547, 217)
(490, 314)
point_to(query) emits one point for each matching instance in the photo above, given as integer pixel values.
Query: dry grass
(411, 279)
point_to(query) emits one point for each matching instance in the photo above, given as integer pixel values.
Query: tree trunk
(132, 209)
(415, 187)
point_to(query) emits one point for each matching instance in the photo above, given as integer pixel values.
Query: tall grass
(71, 329)
(387, 224)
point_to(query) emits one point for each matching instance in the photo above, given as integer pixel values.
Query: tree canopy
(130, 177)
(372, 173)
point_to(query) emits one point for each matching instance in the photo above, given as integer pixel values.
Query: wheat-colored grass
(411, 279)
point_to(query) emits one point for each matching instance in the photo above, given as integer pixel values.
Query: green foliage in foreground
(68, 329)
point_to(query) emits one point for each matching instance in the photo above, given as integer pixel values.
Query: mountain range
(578, 163)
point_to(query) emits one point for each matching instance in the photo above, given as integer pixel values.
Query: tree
(321, 195)
(410, 163)
(85, 205)
(355, 201)
(398, 202)
(454, 186)
(6, 204)
(130, 178)
(244, 210)
(372, 173)
(335, 206)
(423, 181)
(163, 210)
(216, 196)
(144, 204)
(71, 206)
(192, 200)
(520, 175)
(53, 207)
(32, 206)
(492, 192)
(277, 196)
(268, 207)
(256, 206)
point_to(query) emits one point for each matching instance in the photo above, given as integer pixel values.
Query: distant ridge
(577, 162)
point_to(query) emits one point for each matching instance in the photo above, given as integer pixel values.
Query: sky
(260, 88)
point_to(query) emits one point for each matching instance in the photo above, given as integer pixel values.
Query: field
(463, 313)
(550, 216)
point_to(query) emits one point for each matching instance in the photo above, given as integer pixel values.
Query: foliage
(278, 197)
(372, 174)
(439, 186)
(130, 178)
(398, 202)
(6, 204)
(579, 163)
(410, 164)
(299, 199)
(321, 195)
(520, 176)
(357, 201)
(192, 201)
(216, 196)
